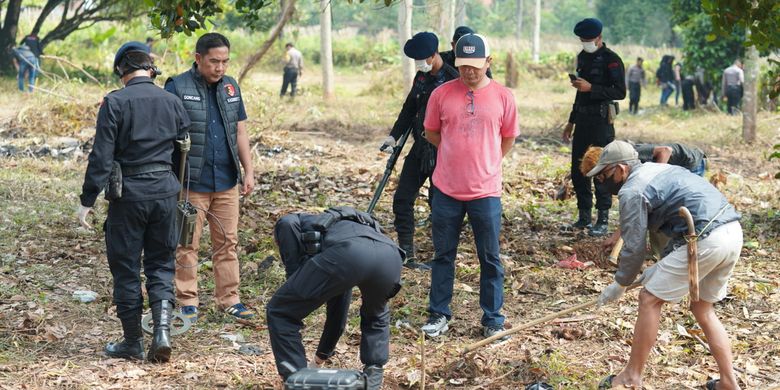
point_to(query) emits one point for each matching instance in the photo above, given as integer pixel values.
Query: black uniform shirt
(413, 111)
(682, 155)
(604, 70)
(136, 125)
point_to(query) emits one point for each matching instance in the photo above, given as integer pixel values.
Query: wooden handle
(527, 325)
(613, 255)
(693, 256)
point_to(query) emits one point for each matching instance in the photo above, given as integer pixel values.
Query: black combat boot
(583, 222)
(602, 223)
(373, 376)
(406, 242)
(132, 347)
(161, 343)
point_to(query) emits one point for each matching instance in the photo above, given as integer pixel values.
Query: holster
(113, 190)
(613, 109)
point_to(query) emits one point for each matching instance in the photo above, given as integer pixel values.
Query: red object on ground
(571, 262)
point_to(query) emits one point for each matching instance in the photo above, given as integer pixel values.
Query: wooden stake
(422, 360)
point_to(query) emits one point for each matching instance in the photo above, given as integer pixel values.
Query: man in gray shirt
(650, 197)
(635, 80)
(733, 78)
(688, 157)
(293, 68)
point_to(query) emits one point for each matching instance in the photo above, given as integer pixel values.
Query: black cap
(422, 45)
(471, 50)
(588, 28)
(461, 31)
(127, 47)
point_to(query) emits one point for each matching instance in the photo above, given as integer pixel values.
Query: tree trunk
(519, 17)
(289, 9)
(537, 24)
(451, 12)
(404, 34)
(511, 71)
(460, 12)
(8, 35)
(750, 97)
(326, 51)
(50, 6)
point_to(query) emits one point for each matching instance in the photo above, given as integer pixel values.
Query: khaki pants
(223, 209)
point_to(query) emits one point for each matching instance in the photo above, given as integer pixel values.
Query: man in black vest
(600, 80)
(325, 256)
(432, 71)
(137, 127)
(220, 147)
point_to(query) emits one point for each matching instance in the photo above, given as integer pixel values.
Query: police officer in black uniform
(325, 256)
(432, 71)
(135, 138)
(600, 80)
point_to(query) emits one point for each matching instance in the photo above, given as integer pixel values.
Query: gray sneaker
(489, 331)
(436, 325)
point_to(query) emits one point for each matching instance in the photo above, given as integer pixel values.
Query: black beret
(461, 31)
(588, 28)
(421, 46)
(129, 46)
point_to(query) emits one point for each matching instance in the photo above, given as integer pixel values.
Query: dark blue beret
(422, 45)
(588, 28)
(129, 46)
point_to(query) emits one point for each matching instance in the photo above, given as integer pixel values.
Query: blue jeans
(29, 66)
(668, 89)
(701, 168)
(447, 218)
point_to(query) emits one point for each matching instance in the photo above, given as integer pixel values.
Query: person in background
(733, 78)
(664, 77)
(27, 61)
(635, 80)
(677, 69)
(601, 80)
(293, 68)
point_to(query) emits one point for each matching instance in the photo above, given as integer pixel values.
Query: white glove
(612, 293)
(388, 144)
(82, 213)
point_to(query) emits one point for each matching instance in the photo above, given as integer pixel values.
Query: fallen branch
(60, 59)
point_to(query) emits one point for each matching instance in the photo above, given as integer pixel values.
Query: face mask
(611, 186)
(423, 66)
(589, 47)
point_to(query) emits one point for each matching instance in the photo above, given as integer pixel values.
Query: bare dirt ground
(310, 155)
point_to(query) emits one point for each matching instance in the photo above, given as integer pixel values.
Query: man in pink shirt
(472, 121)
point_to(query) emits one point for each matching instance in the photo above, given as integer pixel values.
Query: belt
(591, 108)
(145, 168)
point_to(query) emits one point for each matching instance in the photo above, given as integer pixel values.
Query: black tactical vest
(193, 92)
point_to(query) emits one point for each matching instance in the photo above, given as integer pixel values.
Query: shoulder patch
(230, 90)
(613, 65)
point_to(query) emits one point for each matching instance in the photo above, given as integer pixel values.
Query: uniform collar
(199, 77)
(139, 80)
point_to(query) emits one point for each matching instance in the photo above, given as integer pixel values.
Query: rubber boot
(132, 347)
(600, 229)
(374, 375)
(583, 221)
(161, 342)
(406, 242)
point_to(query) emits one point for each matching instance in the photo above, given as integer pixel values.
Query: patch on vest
(191, 97)
(234, 99)
(230, 90)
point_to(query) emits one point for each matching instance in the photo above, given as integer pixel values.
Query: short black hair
(289, 44)
(640, 59)
(134, 60)
(209, 41)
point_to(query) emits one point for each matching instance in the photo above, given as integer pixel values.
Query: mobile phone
(572, 77)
